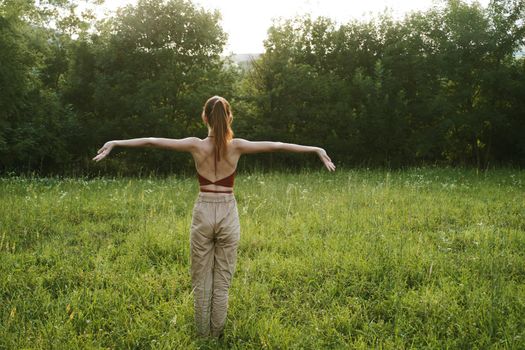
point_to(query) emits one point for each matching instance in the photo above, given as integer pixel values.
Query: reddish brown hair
(218, 112)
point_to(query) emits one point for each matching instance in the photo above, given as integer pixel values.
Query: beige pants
(214, 237)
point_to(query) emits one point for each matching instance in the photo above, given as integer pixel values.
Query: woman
(215, 230)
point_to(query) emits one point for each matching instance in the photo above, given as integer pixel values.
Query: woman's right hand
(104, 150)
(325, 159)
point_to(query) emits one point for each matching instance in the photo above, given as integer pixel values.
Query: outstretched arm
(245, 146)
(186, 145)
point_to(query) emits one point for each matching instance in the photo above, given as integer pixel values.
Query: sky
(247, 22)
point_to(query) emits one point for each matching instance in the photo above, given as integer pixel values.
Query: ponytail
(218, 111)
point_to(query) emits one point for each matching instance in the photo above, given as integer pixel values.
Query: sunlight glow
(247, 22)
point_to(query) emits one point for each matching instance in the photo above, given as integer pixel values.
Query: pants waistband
(215, 197)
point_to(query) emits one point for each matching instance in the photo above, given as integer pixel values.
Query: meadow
(423, 258)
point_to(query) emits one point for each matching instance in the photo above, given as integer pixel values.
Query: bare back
(204, 157)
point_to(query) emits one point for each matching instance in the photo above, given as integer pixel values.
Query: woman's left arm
(245, 146)
(187, 144)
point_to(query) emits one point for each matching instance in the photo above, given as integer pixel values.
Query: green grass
(421, 258)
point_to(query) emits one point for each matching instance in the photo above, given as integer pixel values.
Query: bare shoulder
(238, 142)
(193, 139)
(198, 144)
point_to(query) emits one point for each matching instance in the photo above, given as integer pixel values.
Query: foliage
(425, 89)
(441, 86)
(145, 71)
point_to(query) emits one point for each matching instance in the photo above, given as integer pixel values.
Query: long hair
(218, 112)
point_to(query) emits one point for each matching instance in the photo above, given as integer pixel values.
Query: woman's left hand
(325, 159)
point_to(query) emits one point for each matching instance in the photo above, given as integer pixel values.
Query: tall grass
(419, 258)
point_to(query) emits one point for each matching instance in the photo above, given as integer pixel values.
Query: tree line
(442, 86)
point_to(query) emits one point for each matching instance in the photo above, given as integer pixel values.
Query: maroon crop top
(226, 182)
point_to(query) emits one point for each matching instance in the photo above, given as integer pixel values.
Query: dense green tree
(71, 86)
(34, 59)
(147, 72)
(439, 86)
(396, 92)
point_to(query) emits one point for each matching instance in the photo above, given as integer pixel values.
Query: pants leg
(227, 240)
(202, 260)
(214, 238)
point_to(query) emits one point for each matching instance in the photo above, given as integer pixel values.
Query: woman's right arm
(187, 144)
(246, 147)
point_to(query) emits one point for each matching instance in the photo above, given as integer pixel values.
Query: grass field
(421, 258)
